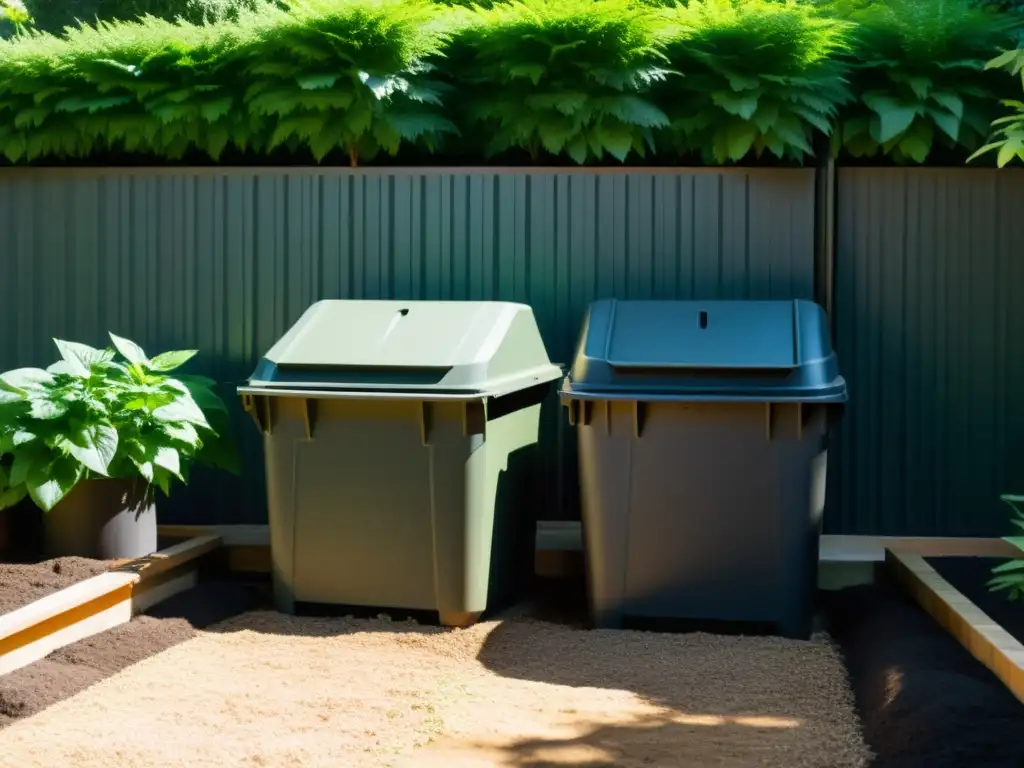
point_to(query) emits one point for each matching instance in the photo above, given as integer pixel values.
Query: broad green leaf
(948, 123)
(740, 104)
(81, 358)
(894, 116)
(168, 361)
(145, 469)
(950, 101)
(46, 409)
(10, 397)
(315, 82)
(12, 495)
(1014, 147)
(22, 380)
(131, 351)
(26, 461)
(64, 475)
(21, 436)
(916, 147)
(617, 140)
(183, 409)
(739, 139)
(169, 459)
(183, 433)
(95, 446)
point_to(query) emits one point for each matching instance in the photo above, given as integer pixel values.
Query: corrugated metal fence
(930, 324)
(224, 260)
(928, 281)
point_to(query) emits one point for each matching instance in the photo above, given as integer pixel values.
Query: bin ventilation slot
(703, 320)
(418, 376)
(643, 372)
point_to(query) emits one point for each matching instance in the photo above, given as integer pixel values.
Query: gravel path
(263, 689)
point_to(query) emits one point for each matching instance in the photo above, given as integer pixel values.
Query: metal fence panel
(224, 260)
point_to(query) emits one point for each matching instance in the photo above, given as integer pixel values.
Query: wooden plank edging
(103, 602)
(988, 642)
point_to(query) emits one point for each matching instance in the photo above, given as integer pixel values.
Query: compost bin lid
(455, 348)
(705, 350)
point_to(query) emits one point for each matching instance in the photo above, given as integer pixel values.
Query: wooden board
(989, 643)
(100, 603)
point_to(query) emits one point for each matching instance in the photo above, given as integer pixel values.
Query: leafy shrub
(326, 75)
(1010, 575)
(757, 75)
(918, 71)
(91, 415)
(1009, 130)
(54, 15)
(561, 76)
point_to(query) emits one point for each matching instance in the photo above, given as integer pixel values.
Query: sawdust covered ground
(263, 689)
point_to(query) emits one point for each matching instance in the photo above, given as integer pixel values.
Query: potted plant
(91, 437)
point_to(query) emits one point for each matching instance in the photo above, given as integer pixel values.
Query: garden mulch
(924, 700)
(24, 583)
(970, 576)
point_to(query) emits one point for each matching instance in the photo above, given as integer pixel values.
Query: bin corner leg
(284, 598)
(607, 619)
(796, 627)
(458, 619)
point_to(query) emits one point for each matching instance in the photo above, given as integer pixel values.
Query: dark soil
(970, 575)
(924, 701)
(69, 670)
(24, 583)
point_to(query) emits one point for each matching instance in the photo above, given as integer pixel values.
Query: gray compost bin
(398, 438)
(702, 449)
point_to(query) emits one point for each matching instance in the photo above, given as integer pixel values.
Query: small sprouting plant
(1010, 575)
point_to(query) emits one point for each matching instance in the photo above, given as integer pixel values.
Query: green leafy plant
(560, 76)
(345, 75)
(1008, 132)
(757, 75)
(1010, 575)
(55, 15)
(918, 69)
(94, 415)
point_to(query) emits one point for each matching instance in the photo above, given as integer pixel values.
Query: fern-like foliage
(326, 74)
(756, 75)
(1008, 131)
(560, 76)
(918, 68)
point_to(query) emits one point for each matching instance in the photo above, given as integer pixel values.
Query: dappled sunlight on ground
(266, 689)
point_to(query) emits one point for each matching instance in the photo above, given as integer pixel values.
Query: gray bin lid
(768, 351)
(442, 349)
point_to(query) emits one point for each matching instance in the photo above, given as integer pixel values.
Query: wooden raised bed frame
(103, 602)
(988, 642)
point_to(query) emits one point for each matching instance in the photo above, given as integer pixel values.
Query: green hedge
(586, 80)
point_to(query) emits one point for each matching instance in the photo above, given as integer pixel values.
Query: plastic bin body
(404, 487)
(703, 484)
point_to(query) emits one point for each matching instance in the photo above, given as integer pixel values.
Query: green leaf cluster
(1009, 576)
(918, 69)
(346, 75)
(54, 15)
(587, 80)
(756, 75)
(106, 413)
(560, 76)
(1008, 131)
